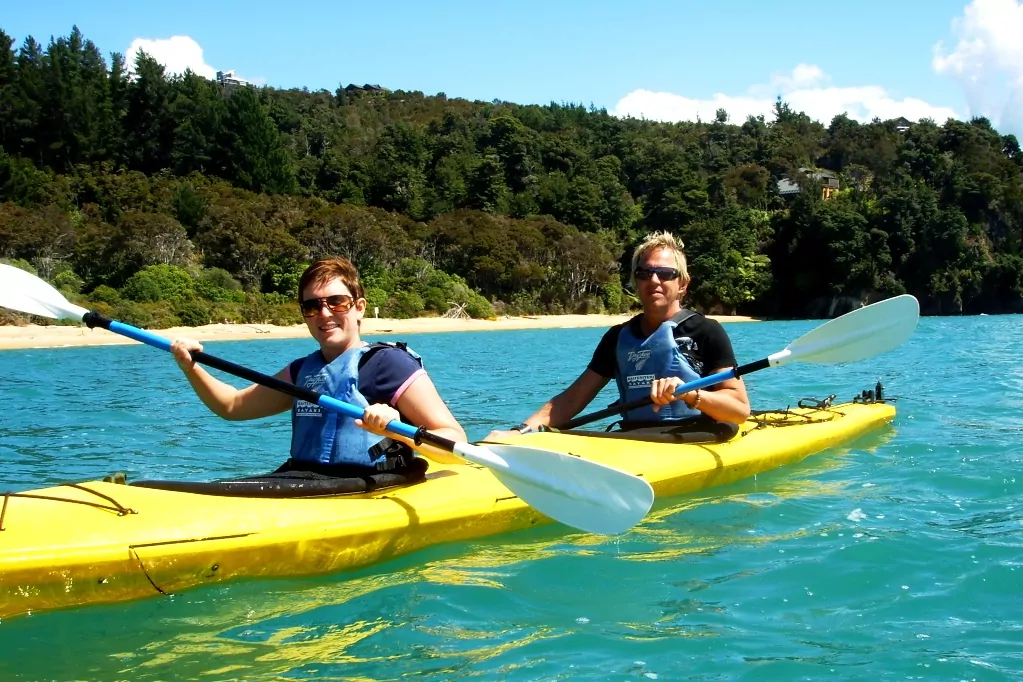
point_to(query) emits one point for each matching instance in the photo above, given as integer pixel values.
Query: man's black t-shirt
(702, 340)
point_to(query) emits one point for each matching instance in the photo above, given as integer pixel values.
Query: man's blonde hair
(661, 240)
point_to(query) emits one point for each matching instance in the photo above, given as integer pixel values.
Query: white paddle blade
(863, 333)
(15, 301)
(577, 492)
(20, 290)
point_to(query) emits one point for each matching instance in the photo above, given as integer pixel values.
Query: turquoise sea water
(898, 557)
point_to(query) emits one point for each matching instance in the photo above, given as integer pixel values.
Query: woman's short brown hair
(326, 269)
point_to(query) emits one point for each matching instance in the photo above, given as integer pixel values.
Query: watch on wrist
(523, 428)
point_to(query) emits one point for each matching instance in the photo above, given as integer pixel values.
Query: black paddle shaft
(642, 402)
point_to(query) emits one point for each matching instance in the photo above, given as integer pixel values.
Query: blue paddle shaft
(326, 402)
(702, 382)
(395, 426)
(134, 333)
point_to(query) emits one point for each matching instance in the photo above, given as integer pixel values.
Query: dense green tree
(487, 190)
(159, 283)
(148, 124)
(200, 111)
(153, 239)
(368, 237)
(8, 92)
(254, 155)
(536, 208)
(29, 104)
(399, 178)
(117, 89)
(232, 237)
(515, 145)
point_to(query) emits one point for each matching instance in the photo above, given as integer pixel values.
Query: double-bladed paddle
(860, 334)
(577, 492)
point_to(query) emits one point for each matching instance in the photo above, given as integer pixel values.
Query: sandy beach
(53, 336)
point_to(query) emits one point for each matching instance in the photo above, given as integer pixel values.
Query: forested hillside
(166, 199)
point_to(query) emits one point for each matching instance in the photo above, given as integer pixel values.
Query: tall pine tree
(29, 70)
(252, 149)
(148, 125)
(117, 95)
(8, 93)
(199, 111)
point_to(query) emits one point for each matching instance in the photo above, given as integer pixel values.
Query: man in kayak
(386, 380)
(655, 352)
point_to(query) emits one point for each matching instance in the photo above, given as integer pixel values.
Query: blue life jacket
(640, 361)
(322, 437)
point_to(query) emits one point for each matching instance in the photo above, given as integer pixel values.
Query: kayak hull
(99, 542)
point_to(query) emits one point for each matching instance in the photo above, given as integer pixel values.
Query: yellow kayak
(97, 542)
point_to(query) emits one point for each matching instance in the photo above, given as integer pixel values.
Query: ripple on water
(896, 557)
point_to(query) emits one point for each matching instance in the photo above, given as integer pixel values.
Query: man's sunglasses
(663, 274)
(339, 303)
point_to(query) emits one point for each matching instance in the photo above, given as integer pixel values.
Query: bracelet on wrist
(696, 403)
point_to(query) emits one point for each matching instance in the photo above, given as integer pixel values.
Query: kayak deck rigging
(117, 507)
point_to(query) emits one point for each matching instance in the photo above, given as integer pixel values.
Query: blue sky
(660, 59)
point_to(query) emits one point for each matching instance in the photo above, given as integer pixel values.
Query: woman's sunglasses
(339, 303)
(663, 274)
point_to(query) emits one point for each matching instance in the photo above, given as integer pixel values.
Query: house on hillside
(828, 181)
(230, 78)
(352, 87)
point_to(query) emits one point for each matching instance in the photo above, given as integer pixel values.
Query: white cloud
(802, 77)
(176, 53)
(807, 88)
(988, 61)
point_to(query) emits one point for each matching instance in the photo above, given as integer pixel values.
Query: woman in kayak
(655, 352)
(387, 380)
